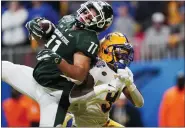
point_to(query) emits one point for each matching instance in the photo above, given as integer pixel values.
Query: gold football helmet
(115, 47)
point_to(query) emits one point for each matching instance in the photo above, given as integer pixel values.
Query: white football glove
(125, 76)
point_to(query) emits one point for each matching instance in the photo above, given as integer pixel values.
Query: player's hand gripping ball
(40, 29)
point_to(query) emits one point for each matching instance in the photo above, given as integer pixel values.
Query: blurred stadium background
(156, 30)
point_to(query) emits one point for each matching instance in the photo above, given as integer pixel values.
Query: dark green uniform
(66, 42)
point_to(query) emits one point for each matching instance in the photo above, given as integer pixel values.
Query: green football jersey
(65, 41)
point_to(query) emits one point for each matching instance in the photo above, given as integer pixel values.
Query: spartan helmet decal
(115, 47)
(99, 22)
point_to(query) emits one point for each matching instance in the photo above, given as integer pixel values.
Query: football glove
(49, 55)
(34, 28)
(125, 76)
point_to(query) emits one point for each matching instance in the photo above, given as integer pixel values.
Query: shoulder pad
(67, 18)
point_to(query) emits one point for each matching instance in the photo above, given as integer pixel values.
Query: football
(46, 25)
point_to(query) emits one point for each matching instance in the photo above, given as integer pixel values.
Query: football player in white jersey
(91, 106)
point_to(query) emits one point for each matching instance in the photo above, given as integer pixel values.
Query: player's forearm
(134, 95)
(72, 71)
(137, 98)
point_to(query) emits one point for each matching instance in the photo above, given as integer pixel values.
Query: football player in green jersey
(70, 50)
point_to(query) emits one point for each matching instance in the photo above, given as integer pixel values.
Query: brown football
(46, 26)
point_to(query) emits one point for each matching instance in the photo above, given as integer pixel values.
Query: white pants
(20, 77)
